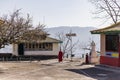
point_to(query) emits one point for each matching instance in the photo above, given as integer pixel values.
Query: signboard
(71, 34)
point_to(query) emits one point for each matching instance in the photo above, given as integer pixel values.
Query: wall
(109, 61)
(54, 52)
(102, 41)
(15, 49)
(108, 57)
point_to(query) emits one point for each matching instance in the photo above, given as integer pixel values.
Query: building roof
(51, 40)
(114, 28)
(46, 40)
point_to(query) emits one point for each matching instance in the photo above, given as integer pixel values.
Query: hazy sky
(54, 12)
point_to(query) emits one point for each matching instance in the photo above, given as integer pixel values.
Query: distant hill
(83, 35)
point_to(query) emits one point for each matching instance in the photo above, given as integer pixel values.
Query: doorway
(21, 49)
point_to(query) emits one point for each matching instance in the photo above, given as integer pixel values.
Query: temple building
(109, 44)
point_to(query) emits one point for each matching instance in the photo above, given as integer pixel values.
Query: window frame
(38, 46)
(112, 43)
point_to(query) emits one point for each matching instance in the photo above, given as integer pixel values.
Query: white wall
(15, 49)
(55, 51)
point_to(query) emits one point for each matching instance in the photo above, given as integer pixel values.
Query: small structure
(49, 46)
(93, 54)
(110, 44)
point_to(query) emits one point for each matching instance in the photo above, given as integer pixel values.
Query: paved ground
(52, 70)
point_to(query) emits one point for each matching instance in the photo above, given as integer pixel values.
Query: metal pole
(71, 48)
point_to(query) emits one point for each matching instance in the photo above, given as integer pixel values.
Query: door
(21, 49)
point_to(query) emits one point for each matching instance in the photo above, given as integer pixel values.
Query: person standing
(87, 59)
(60, 56)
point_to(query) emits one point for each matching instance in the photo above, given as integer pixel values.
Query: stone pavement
(53, 70)
(115, 72)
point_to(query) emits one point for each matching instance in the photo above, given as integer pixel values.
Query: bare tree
(87, 46)
(66, 45)
(34, 35)
(14, 28)
(84, 46)
(108, 9)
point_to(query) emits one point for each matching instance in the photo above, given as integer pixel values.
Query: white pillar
(93, 56)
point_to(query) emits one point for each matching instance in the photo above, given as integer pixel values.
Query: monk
(60, 56)
(87, 59)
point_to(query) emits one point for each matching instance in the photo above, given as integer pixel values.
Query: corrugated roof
(51, 40)
(46, 40)
(115, 28)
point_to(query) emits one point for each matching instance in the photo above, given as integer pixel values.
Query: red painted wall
(109, 61)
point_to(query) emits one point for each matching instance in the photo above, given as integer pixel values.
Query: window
(26, 46)
(39, 46)
(112, 42)
(30, 46)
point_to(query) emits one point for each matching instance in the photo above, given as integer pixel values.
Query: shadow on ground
(96, 73)
(26, 58)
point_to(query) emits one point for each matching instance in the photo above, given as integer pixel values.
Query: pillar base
(94, 60)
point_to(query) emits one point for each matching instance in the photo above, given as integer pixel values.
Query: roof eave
(106, 32)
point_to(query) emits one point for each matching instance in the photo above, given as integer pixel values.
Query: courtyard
(53, 70)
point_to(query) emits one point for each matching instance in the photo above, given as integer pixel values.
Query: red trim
(119, 51)
(109, 61)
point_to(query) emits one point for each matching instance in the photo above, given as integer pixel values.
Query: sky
(54, 13)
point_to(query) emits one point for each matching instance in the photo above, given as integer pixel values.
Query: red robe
(60, 55)
(87, 59)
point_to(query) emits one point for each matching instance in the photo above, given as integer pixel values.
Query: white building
(49, 46)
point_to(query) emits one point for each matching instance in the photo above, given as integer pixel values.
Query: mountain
(82, 34)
